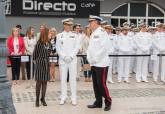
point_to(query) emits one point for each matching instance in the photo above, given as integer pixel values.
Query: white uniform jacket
(125, 44)
(143, 42)
(111, 43)
(97, 53)
(67, 45)
(158, 42)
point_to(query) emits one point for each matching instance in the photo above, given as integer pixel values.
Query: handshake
(68, 59)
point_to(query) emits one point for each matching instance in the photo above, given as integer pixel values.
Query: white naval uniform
(97, 53)
(159, 48)
(67, 46)
(115, 59)
(125, 46)
(150, 64)
(132, 61)
(143, 43)
(111, 51)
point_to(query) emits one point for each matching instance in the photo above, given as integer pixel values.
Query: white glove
(67, 59)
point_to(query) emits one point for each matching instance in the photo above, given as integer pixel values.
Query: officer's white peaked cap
(125, 24)
(93, 17)
(151, 27)
(142, 25)
(68, 21)
(159, 24)
(125, 28)
(108, 26)
(105, 22)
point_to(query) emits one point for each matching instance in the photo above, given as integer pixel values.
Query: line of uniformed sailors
(141, 42)
(131, 40)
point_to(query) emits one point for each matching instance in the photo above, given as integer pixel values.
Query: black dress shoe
(43, 102)
(37, 104)
(94, 106)
(107, 108)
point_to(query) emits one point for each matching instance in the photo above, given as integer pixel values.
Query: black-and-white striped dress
(41, 56)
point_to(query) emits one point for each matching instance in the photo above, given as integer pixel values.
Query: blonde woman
(52, 60)
(16, 48)
(30, 41)
(85, 45)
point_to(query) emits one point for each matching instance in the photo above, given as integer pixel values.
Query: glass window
(160, 20)
(133, 21)
(138, 9)
(122, 21)
(154, 12)
(138, 14)
(121, 11)
(114, 22)
(151, 22)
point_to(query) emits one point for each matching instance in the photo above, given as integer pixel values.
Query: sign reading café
(55, 8)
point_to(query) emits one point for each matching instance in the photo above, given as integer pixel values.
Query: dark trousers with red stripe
(99, 76)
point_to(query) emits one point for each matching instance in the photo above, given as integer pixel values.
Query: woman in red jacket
(16, 48)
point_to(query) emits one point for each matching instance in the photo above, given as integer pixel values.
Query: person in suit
(41, 60)
(98, 57)
(16, 47)
(19, 27)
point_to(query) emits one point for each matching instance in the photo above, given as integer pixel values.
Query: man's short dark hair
(19, 26)
(74, 26)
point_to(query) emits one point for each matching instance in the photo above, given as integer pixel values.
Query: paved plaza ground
(133, 98)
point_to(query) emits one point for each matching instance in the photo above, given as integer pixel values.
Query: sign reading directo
(55, 8)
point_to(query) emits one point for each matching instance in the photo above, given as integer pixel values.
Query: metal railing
(112, 55)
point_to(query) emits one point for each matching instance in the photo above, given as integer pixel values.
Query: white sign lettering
(46, 6)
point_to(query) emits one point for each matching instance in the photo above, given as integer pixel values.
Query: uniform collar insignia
(72, 37)
(96, 36)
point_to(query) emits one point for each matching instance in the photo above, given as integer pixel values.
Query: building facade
(115, 11)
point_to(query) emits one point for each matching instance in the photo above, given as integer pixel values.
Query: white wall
(105, 6)
(25, 22)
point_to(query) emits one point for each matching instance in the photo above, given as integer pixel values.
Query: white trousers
(163, 69)
(124, 68)
(142, 68)
(72, 68)
(132, 64)
(109, 76)
(156, 69)
(150, 66)
(115, 64)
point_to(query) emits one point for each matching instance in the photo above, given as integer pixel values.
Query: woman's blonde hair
(53, 29)
(13, 29)
(28, 32)
(88, 31)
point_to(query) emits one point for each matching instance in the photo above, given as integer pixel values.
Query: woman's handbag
(86, 67)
